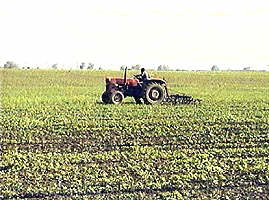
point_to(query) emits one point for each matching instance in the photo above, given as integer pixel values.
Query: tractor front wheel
(116, 97)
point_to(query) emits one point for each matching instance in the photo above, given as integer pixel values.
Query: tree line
(91, 66)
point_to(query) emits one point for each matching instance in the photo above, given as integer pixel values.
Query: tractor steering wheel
(138, 76)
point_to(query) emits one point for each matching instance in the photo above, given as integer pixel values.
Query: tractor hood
(120, 81)
(132, 81)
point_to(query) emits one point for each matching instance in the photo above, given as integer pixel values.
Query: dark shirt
(145, 75)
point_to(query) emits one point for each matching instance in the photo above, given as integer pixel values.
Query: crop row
(108, 191)
(93, 147)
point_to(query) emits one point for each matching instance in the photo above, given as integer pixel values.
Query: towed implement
(150, 91)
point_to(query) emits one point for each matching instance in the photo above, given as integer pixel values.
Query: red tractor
(151, 91)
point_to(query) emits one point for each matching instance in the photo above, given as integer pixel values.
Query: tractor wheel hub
(155, 94)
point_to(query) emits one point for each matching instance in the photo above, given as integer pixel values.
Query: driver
(143, 76)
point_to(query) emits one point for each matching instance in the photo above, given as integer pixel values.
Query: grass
(59, 141)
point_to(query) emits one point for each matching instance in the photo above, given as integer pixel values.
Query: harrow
(180, 99)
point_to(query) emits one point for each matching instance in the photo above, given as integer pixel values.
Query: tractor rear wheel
(116, 97)
(106, 97)
(154, 94)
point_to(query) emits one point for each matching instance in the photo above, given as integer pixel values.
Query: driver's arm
(137, 76)
(145, 75)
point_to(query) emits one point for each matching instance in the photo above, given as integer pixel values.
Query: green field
(59, 141)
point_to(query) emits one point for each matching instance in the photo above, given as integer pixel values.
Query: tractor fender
(158, 81)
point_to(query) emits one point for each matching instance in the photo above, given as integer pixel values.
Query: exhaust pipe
(125, 75)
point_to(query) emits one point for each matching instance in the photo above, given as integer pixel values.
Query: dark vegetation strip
(112, 137)
(207, 187)
(261, 139)
(81, 147)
